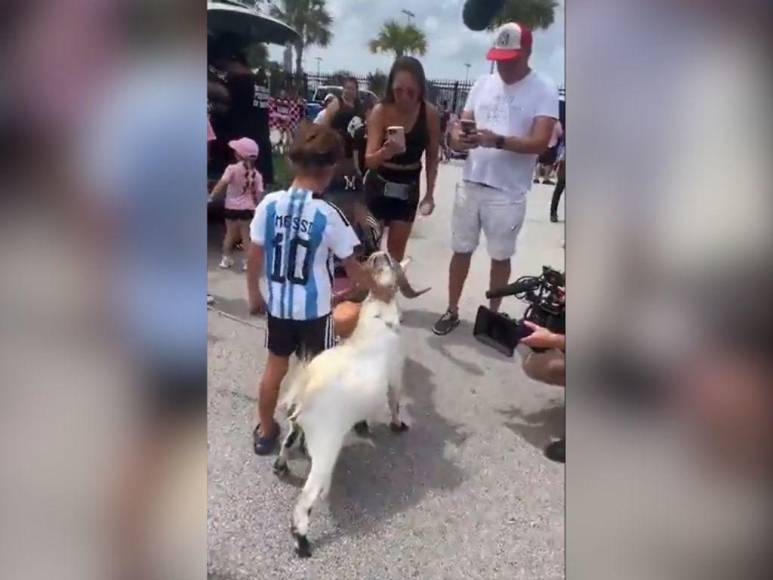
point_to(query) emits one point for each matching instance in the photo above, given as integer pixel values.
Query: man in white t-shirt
(514, 111)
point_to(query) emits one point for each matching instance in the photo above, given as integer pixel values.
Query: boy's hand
(257, 305)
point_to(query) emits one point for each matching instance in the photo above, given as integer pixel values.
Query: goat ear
(404, 263)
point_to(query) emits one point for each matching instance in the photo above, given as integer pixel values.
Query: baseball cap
(245, 147)
(511, 39)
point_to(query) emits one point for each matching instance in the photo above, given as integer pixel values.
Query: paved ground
(466, 493)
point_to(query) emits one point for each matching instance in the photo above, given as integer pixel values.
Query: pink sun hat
(245, 147)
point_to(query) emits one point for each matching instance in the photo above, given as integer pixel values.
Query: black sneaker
(446, 324)
(556, 451)
(264, 445)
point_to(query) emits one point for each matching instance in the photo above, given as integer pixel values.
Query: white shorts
(499, 214)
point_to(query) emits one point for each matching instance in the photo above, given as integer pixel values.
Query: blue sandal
(264, 445)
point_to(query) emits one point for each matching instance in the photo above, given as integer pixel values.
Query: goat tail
(295, 384)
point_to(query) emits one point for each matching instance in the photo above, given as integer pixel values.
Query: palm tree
(257, 54)
(399, 39)
(535, 14)
(311, 21)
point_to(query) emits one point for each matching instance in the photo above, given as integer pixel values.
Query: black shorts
(388, 209)
(549, 157)
(242, 215)
(345, 184)
(306, 338)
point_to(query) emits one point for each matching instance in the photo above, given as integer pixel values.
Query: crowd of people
(357, 189)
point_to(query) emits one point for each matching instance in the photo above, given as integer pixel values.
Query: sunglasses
(410, 93)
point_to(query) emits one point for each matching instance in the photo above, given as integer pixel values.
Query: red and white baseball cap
(512, 38)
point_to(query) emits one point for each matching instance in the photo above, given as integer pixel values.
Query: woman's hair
(352, 80)
(410, 65)
(315, 147)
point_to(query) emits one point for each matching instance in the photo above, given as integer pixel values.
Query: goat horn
(405, 287)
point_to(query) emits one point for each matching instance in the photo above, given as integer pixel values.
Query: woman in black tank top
(392, 184)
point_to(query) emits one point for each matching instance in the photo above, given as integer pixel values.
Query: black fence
(452, 93)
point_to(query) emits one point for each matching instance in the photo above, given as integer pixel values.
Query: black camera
(545, 295)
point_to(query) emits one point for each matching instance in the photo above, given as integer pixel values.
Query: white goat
(343, 386)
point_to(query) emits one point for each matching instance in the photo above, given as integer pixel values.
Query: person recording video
(547, 366)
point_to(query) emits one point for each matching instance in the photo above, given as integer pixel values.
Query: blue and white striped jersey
(300, 234)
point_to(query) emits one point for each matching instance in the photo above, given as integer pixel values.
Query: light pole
(410, 15)
(467, 74)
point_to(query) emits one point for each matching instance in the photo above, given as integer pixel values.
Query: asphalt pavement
(465, 493)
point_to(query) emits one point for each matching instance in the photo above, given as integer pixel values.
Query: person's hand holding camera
(543, 338)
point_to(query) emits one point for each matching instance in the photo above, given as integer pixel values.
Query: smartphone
(468, 127)
(397, 134)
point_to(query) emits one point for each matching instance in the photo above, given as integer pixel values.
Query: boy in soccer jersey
(295, 235)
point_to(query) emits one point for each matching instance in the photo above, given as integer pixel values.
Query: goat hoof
(402, 427)
(302, 546)
(280, 469)
(362, 428)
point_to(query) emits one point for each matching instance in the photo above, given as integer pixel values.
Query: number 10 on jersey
(290, 269)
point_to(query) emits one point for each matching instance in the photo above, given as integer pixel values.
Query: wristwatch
(500, 142)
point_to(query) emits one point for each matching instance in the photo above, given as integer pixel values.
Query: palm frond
(536, 14)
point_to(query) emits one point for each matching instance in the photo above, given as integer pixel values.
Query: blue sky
(451, 44)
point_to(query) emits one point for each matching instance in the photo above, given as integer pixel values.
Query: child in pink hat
(243, 185)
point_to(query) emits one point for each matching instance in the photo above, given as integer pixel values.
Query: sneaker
(264, 445)
(226, 263)
(553, 218)
(446, 324)
(210, 300)
(556, 451)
